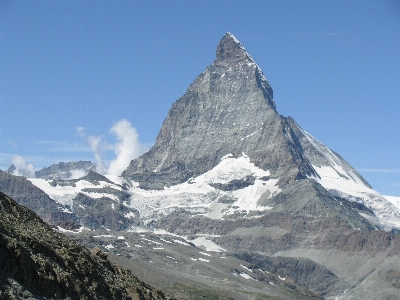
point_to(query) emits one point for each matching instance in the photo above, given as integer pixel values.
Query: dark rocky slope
(27, 194)
(36, 260)
(304, 271)
(87, 212)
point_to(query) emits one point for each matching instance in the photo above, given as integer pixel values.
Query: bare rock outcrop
(47, 264)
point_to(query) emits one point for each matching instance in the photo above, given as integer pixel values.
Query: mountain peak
(230, 49)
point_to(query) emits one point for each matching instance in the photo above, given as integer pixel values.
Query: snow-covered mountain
(228, 170)
(222, 152)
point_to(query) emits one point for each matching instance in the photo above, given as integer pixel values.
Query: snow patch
(244, 267)
(341, 181)
(387, 212)
(129, 215)
(203, 242)
(244, 275)
(150, 241)
(65, 194)
(71, 231)
(181, 242)
(109, 246)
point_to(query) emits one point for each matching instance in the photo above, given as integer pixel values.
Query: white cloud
(126, 148)
(21, 167)
(75, 174)
(97, 145)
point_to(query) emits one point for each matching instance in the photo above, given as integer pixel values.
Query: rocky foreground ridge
(38, 263)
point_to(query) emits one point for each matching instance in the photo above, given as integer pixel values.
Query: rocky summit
(234, 201)
(228, 109)
(66, 170)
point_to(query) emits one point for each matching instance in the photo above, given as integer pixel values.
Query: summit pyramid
(228, 109)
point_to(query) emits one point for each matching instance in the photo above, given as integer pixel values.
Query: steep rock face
(80, 210)
(228, 109)
(319, 155)
(304, 271)
(48, 264)
(103, 213)
(25, 193)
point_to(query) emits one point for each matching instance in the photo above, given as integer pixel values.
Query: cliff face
(228, 109)
(26, 194)
(37, 262)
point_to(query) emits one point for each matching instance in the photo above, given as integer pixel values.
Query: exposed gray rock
(228, 109)
(308, 198)
(26, 194)
(104, 212)
(91, 176)
(235, 184)
(304, 271)
(11, 169)
(64, 170)
(320, 155)
(50, 265)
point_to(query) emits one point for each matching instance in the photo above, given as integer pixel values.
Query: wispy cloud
(97, 145)
(38, 161)
(21, 167)
(63, 146)
(126, 148)
(379, 170)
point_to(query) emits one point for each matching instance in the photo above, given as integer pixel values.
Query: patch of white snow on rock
(199, 197)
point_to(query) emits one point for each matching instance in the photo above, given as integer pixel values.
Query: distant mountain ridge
(66, 170)
(61, 170)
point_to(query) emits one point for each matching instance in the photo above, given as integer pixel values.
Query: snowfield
(197, 196)
(341, 181)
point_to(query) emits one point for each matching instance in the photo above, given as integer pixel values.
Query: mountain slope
(228, 109)
(342, 180)
(48, 264)
(27, 194)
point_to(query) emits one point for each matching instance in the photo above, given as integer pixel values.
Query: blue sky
(334, 67)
